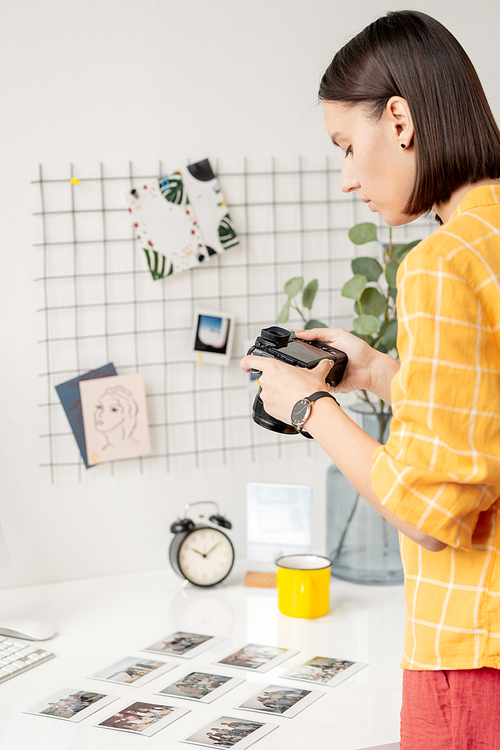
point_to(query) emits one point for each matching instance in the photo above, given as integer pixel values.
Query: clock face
(300, 411)
(206, 556)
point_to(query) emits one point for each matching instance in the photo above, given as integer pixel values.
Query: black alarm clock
(201, 553)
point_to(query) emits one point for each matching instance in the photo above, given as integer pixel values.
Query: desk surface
(101, 620)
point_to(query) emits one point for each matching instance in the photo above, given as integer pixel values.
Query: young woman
(404, 103)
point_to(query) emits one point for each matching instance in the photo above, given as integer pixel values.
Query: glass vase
(362, 546)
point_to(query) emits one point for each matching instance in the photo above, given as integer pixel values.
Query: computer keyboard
(16, 657)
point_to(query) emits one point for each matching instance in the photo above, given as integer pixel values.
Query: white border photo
(280, 700)
(256, 658)
(184, 644)
(231, 728)
(135, 671)
(202, 687)
(70, 704)
(212, 337)
(144, 717)
(322, 670)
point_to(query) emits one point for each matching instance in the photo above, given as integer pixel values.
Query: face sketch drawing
(115, 416)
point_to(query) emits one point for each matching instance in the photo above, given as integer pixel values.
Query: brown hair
(410, 54)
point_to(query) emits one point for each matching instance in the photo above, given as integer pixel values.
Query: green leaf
(361, 233)
(393, 292)
(372, 303)
(314, 324)
(294, 286)
(309, 294)
(391, 270)
(354, 288)
(398, 253)
(285, 312)
(365, 324)
(390, 335)
(379, 346)
(369, 267)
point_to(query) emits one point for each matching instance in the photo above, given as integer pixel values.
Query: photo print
(71, 705)
(212, 337)
(143, 718)
(279, 700)
(203, 687)
(325, 671)
(115, 418)
(133, 670)
(228, 731)
(257, 658)
(183, 644)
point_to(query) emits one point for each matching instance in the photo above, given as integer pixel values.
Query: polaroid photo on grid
(256, 657)
(70, 704)
(203, 687)
(135, 671)
(212, 337)
(144, 717)
(280, 700)
(236, 732)
(183, 644)
(322, 670)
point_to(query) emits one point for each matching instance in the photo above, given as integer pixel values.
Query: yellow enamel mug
(303, 585)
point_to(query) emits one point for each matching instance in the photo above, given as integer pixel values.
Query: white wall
(112, 80)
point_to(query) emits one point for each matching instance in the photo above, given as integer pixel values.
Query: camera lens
(275, 335)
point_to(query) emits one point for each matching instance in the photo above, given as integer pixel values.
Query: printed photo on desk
(279, 700)
(115, 418)
(325, 671)
(183, 644)
(203, 687)
(133, 670)
(71, 705)
(257, 658)
(228, 731)
(143, 717)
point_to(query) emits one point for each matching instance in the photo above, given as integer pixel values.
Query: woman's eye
(349, 151)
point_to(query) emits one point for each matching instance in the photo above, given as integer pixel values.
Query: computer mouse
(30, 630)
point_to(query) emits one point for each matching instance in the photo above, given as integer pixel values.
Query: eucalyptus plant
(292, 289)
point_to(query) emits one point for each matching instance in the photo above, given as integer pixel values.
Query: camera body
(279, 344)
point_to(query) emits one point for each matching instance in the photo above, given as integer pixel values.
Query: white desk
(104, 619)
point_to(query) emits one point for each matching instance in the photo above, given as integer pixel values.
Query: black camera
(279, 344)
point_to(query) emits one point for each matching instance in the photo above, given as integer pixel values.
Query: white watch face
(205, 556)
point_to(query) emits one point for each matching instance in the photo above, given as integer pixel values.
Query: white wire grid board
(97, 302)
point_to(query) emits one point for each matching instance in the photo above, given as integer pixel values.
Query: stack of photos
(71, 705)
(283, 701)
(201, 686)
(133, 671)
(257, 658)
(325, 670)
(184, 644)
(142, 717)
(227, 731)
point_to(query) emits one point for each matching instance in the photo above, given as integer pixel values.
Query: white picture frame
(212, 337)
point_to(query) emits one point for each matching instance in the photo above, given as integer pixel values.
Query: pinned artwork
(212, 337)
(181, 219)
(115, 418)
(69, 394)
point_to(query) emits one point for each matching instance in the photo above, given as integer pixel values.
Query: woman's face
(108, 414)
(374, 165)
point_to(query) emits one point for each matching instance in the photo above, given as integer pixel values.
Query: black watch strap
(314, 397)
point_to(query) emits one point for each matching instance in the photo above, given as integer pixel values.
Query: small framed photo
(203, 687)
(325, 671)
(212, 337)
(257, 658)
(143, 717)
(279, 700)
(71, 705)
(228, 731)
(184, 644)
(133, 670)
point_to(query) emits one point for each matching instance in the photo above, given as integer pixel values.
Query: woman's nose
(348, 180)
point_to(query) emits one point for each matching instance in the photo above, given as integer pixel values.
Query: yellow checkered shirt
(440, 468)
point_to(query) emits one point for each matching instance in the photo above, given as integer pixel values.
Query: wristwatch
(302, 411)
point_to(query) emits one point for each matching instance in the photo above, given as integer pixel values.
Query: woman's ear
(399, 119)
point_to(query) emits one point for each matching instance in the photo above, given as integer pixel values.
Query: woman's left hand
(283, 385)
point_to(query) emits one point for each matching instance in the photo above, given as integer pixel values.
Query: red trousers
(451, 710)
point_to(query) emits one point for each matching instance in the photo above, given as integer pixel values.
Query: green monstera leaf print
(157, 263)
(172, 188)
(227, 233)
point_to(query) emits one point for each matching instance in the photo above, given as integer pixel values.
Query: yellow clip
(199, 358)
(74, 181)
(97, 459)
